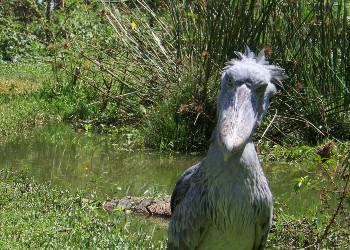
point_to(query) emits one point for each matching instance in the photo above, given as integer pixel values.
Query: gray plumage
(224, 201)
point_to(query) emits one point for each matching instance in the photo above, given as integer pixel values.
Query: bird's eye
(261, 87)
(230, 81)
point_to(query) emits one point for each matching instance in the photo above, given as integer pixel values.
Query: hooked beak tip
(231, 144)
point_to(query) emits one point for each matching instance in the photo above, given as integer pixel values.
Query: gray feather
(182, 186)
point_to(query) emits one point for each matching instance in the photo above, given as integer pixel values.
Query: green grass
(19, 115)
(20, 108)
(37, 216)
(35, 72)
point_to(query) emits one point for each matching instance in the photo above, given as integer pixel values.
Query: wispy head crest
(277, 73)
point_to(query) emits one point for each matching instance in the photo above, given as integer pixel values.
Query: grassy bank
(38, 216)
(20, 109)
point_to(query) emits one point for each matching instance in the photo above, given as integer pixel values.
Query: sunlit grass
(34, 72)
(23, 77)
(17, 86)
(19, 115)
(20, 109)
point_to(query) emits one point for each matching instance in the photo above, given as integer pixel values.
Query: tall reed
(308, 38)
(185, 48)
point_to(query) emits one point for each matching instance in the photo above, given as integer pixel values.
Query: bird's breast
(238, 202)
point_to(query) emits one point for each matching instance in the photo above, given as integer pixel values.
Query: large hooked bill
(237, 119)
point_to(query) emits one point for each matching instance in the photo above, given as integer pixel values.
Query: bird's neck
(246, 157)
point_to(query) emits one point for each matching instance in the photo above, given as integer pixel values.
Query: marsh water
(99, 167)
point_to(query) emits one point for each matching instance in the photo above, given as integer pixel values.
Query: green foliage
(170, 130)
(298, 153)
(324, 226)
(18, 20)
(180, 122)
(313, 44)
(300, 232)
(14, 44)
(303, 182)
(122, 66)
(84, 77)
(189, 45)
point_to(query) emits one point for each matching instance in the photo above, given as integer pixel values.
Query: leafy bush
(17, 19)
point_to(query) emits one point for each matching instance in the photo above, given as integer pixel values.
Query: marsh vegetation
(144, 75)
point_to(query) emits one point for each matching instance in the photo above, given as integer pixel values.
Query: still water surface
(92, 163)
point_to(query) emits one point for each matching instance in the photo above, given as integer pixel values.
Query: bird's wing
(182, 186)
(187, 224)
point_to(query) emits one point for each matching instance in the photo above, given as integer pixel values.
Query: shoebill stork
(224, 201)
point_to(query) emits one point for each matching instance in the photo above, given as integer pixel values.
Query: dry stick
(138, 92)
(302, 119)
(127, 106)
(268, 127)
(135, 74)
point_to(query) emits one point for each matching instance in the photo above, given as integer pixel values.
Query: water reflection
(92, 163)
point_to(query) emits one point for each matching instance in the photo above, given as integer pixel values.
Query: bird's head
(247, 84)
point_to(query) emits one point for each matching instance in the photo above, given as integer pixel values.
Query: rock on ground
(159, 207)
